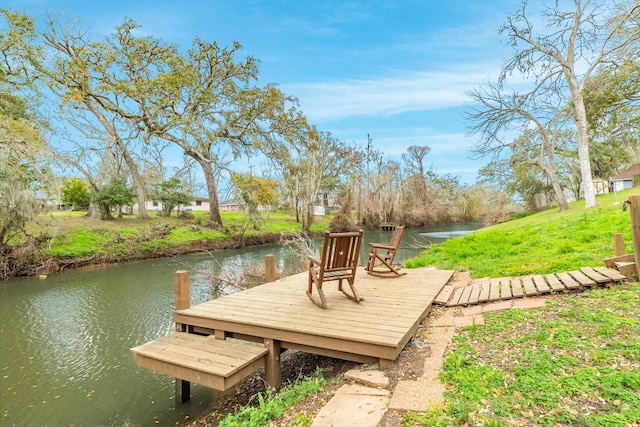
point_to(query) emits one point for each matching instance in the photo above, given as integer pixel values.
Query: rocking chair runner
(381, 256)
(338, 261)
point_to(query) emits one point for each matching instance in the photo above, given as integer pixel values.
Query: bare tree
(565, 47)
(530, 125)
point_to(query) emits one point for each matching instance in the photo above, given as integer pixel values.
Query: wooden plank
(457, 293)
(609, 262)
(530, 289)
(568, 281)
(594, 275)
(626, 268)
(554, 282)
(494, 292)
(505, 288)
(611, 274)
(581, 278)
(516, 288)
(540, 283)
(464, 298)
(444, 295)
(484, 292)
(475, 293)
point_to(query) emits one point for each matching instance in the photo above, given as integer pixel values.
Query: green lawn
(547, 242)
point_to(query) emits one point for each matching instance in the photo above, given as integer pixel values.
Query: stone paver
(529, 303)
(417, 395)
(497, 306)
(468, 320)
(353, 405)
(368, 377)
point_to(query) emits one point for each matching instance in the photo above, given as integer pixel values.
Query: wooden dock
(279, 316)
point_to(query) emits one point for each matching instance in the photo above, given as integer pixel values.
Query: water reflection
(64, 341)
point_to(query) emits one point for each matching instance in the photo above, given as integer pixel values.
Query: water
(64, 340)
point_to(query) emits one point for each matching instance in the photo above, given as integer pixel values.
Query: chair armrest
(313, 259)
(381, 246)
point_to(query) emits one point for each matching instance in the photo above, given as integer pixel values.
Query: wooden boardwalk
(485, 290)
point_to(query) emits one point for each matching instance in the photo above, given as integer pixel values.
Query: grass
(574, 362)
(546, 242)
(73, 235)
(271, 405)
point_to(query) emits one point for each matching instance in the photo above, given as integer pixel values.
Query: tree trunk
(138, 183)
(582, 139)
(212, 190)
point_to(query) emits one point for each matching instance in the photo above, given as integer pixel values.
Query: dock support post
(635, 229)
(183, 301)
(269, 269)
(183, 391)
(272, 367)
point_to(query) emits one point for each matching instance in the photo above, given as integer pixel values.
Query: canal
(64, 340)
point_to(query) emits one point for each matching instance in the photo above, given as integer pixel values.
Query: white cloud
(388, 95)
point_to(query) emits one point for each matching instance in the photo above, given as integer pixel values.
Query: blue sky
(395, 70)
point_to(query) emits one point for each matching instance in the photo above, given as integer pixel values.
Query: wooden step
(626, 268)
(205, 360)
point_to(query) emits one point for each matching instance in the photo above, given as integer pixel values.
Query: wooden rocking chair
(338, 261)
(381, 256)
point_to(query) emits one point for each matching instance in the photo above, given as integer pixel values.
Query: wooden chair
(381, 256)
(338, 261)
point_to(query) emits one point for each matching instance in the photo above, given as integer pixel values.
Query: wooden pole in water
(183, 301)
(269, 269)
(635, 229)
(183, 297)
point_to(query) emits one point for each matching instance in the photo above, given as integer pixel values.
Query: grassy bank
(74, 236)
(546, 242)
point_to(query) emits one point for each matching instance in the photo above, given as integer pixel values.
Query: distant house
(231, 206)
(625, 179)
(196, 204)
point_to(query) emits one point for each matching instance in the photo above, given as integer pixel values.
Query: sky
(396, 71)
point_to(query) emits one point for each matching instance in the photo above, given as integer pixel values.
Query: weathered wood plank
(444, 295)
(466, 293)
(540, 283)
(554, 282)
(484, 292)
(455, 298)
(530, 289)
(568, 281)
(494, 292)
(611, 274)
(581, 278)
(610, 262)
(505, 288)
(516, 288)
(594, 275)
(475, 293)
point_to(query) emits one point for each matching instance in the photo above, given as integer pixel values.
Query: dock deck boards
(378, 327)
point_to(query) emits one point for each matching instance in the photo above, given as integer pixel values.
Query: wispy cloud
(396, 93)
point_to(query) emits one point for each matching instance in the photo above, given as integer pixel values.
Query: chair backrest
(397, 236)
(340, 251)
